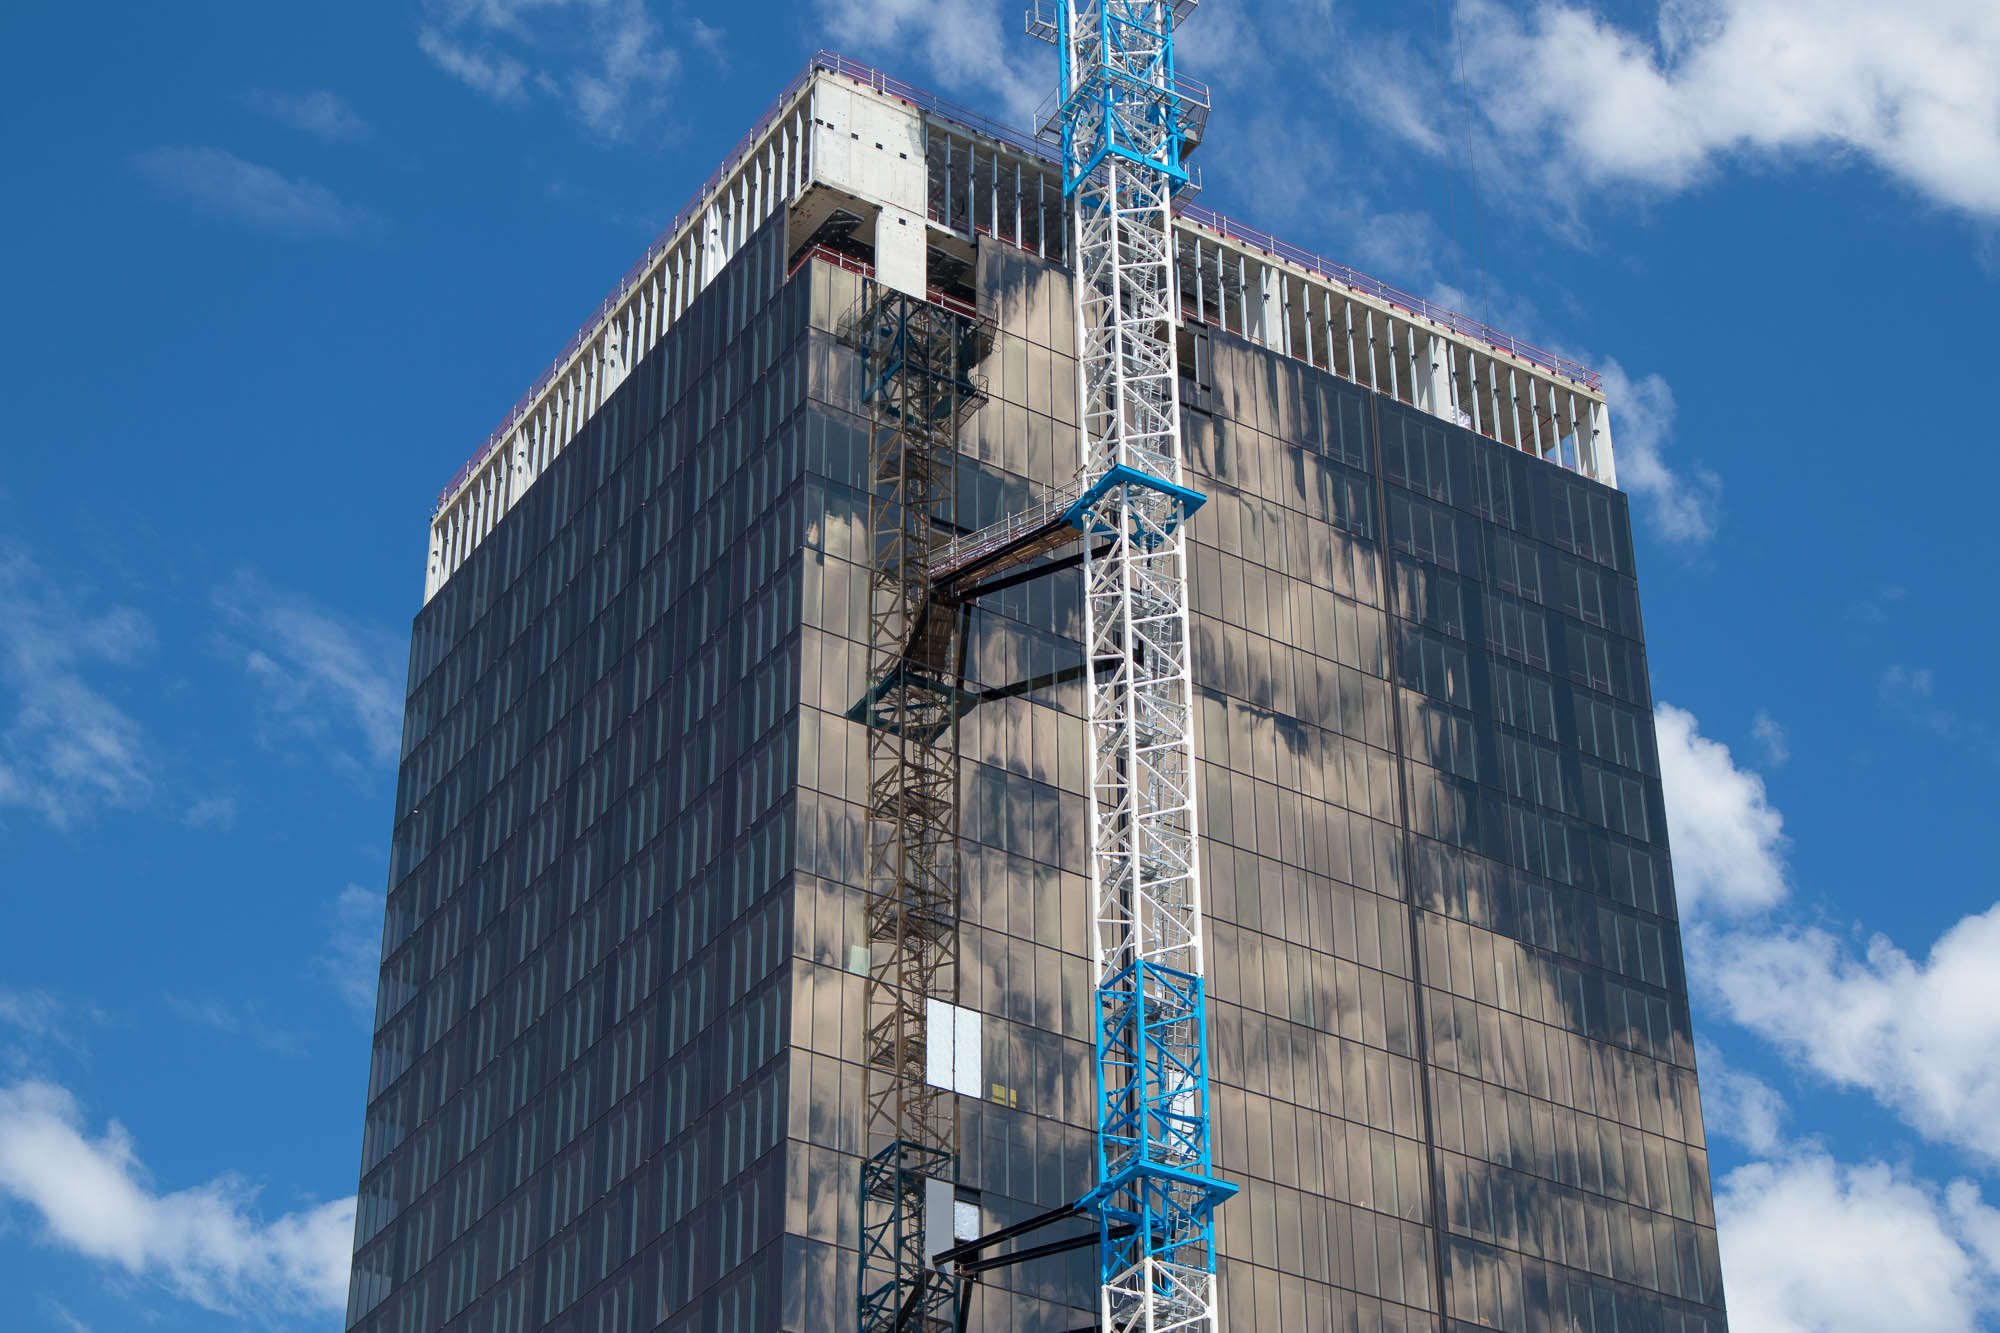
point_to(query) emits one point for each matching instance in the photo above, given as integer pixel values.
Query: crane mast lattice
(1123, 117)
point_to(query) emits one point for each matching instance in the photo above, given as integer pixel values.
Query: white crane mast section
(1121, 120)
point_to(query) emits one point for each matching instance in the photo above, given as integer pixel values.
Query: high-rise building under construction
(751, 956)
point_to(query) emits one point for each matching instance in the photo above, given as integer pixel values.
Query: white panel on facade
(938, 1034)
(833, 110)
(940, 1208)
(953, 1056)
(968, 1055)
(965, 1220)
(888, 163)
(899, 250)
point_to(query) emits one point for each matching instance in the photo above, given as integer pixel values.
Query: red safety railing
(870, 77)
(839, 259)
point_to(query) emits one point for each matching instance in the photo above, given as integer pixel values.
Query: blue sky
(273, 271)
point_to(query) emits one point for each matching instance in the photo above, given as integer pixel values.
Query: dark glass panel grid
(576, 1109)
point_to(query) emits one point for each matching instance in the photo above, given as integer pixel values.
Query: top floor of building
(877, 175)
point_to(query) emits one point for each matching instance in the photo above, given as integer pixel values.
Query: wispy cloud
(1681, 503)
(204, 1243)
(1767, 732)
(1912, 694)
(212, 812)
(1912, 691)
(709, 39)
(63, 1317)
(604, 58)
(500, 77)
(1875, 607)
(221, 183)
(318, 113)
(964, 44)
(36, 1023)
(251, 1022)
(318, 676)
(1738, 1105)
(352, 963)
(67, 750)
(35, 1013)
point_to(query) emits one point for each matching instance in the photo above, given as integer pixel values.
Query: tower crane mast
(1123, 117)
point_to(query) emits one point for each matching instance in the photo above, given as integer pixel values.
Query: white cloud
(1812, 1245)
(204, 1243)
(1912, 692)
(708, 38)
(320, 677)
(1738, 1105)
(222, 183)
(962, 44)
(1921, 1036)
(318, 113)
(1728, 842)
(604, 57)
(1769, 733)
(1681, 505)
(1574, 101)
(34, 1013)
(251, 1022)
(212, 812)
(63, 1317)
(352, 964)
(502, 78)
(68, 750)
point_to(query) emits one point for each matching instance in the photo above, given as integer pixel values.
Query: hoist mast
(1123, 118)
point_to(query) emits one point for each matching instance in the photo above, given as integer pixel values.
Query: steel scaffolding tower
(918, 363)
(1123, 118)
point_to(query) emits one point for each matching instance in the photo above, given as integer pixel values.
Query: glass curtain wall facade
(616, 1082)
(578, 1101)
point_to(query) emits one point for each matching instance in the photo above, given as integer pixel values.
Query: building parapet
(983, 177)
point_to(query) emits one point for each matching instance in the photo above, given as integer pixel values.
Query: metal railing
(960, 552)
(1415, 305)
(827, 254)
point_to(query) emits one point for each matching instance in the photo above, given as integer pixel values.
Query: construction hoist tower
(1123, 120)
(919, 380)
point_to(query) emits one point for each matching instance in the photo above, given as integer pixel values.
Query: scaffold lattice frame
(1122, 134)
(919, 381)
